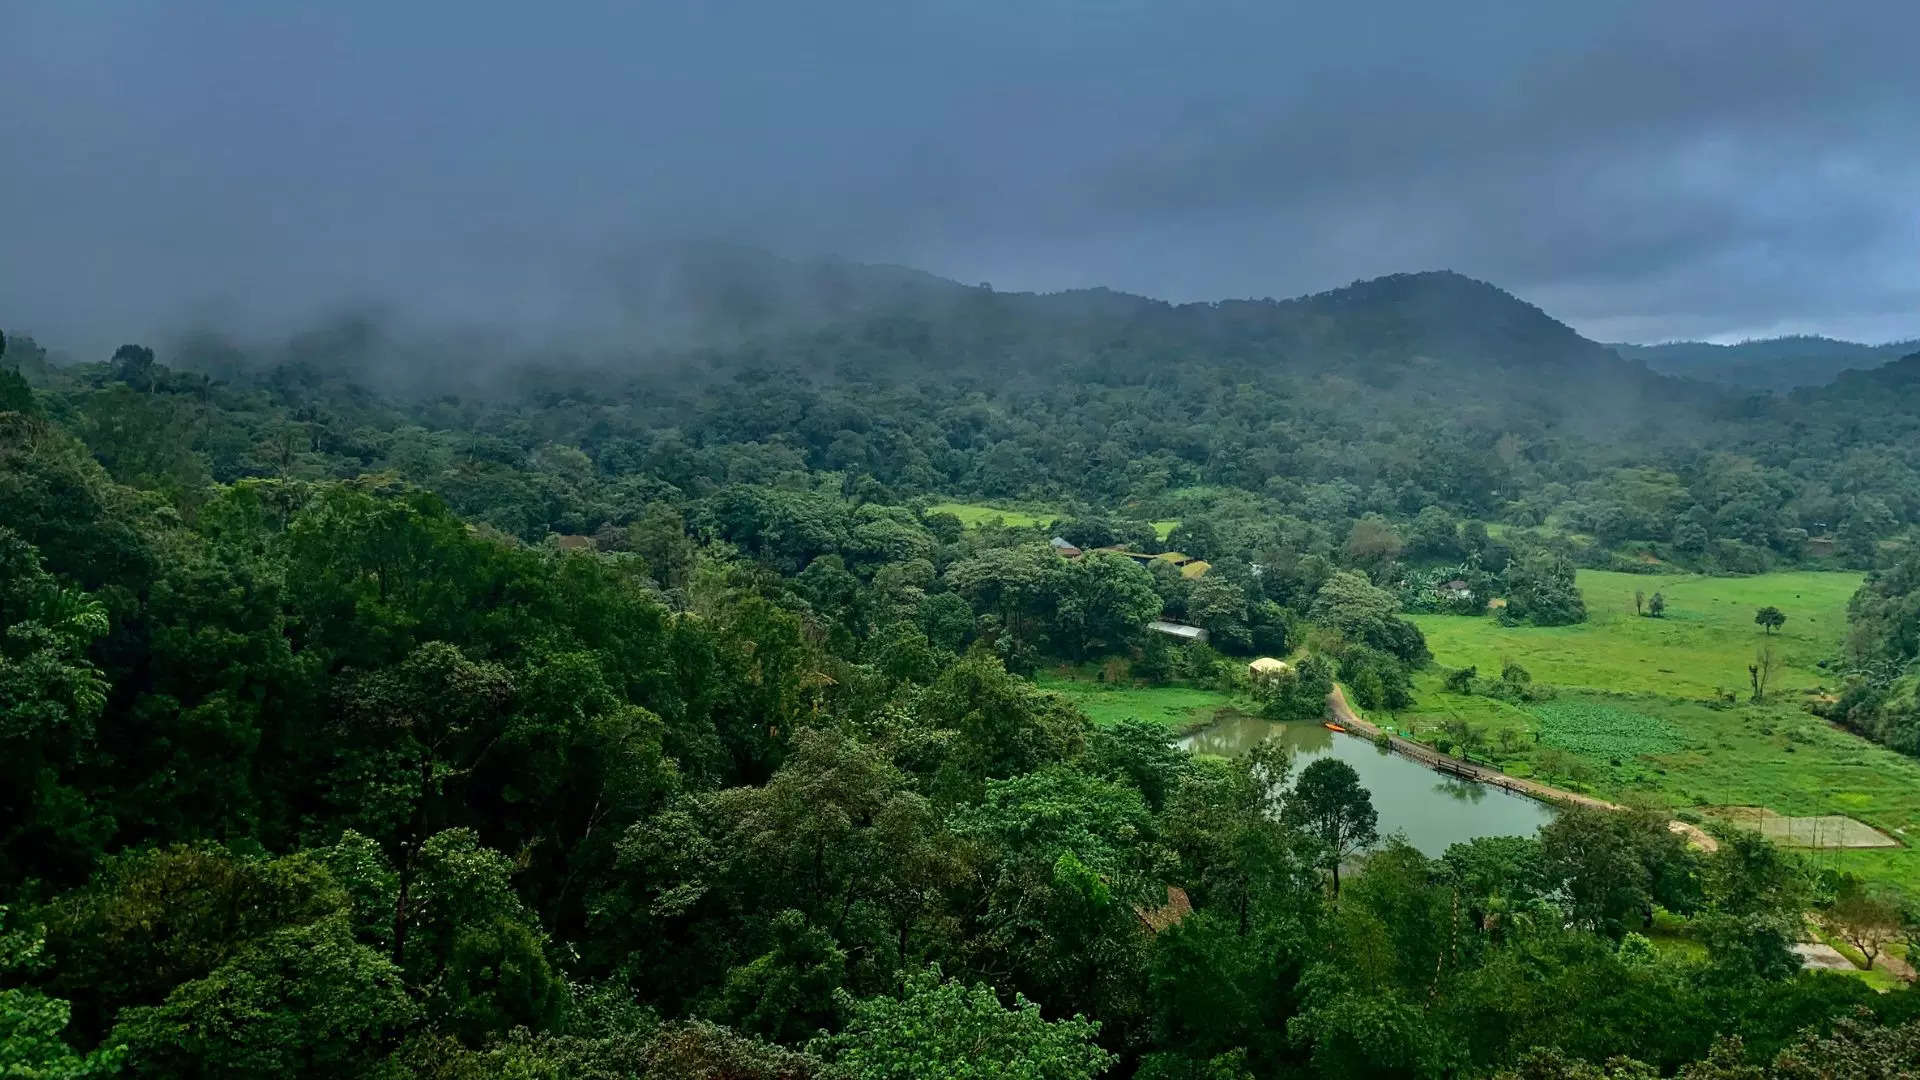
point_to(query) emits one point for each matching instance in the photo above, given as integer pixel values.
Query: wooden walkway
(1452, 766)
(1483, 774)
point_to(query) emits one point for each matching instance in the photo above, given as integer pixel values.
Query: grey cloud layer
(1644, 170)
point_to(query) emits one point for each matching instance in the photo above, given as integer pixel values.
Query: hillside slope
(1773, 364)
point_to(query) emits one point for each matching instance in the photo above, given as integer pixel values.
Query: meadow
(974, 515)
(1701, 645)
(1632, 715)
(1177, 708)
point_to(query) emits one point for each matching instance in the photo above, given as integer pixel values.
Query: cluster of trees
(1881, 698)
(1541, 592)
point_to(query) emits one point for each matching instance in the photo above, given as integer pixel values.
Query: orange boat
(1331, 726)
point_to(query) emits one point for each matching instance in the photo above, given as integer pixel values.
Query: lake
(1432, 810)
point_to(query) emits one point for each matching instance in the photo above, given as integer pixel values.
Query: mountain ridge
(1772, 364)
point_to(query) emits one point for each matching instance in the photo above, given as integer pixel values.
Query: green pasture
(1177, 708)
(1630, 719)
(1701, 645)
(974, 515)
(1687, 756)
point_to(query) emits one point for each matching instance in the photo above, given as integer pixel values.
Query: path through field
(1344, 715)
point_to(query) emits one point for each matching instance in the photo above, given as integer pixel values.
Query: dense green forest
(372, 709)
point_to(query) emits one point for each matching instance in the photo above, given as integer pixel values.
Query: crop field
(1777, 757)
(974, 515)
(1603, 730)
(1702, 644)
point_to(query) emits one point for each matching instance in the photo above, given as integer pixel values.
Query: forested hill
(1407, 319)
(1439, 345)
(1441, 313)
(1882, 404)
(1383, 397)
(1775, 364)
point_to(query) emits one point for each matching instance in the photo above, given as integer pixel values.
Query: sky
(1645, 171)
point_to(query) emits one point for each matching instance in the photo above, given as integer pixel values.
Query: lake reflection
(1461, 790)
(1433, 811)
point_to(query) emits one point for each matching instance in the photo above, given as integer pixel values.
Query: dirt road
(1344, 715)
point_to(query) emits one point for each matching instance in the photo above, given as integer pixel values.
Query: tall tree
(302, 1002)
(1863, 918)
(1331, 805)
(51, 695)
(938, 1027)
(1103, 603)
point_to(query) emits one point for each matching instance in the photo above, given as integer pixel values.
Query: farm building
(1457, 589)
(1267, 668)
(1062, 546)
(1177, 630)
(1188, 566)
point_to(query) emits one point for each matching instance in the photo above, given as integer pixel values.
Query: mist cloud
(1643, 170)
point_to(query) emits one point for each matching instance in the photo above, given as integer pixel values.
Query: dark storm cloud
(1644, 170)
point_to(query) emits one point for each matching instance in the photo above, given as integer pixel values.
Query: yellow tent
(1268, 668)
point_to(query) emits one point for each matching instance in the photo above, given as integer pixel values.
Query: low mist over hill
(1413, 351)
(1777, 364)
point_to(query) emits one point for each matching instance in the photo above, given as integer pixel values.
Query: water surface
(1433, 810)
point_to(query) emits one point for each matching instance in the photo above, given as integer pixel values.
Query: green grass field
(973, 515)
(1631, 721)
(1177, 708)
(1703, 643)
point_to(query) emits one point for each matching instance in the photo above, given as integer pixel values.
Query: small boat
(1331, 726)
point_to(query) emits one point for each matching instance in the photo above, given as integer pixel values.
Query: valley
(959, 541)
(743, 699)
